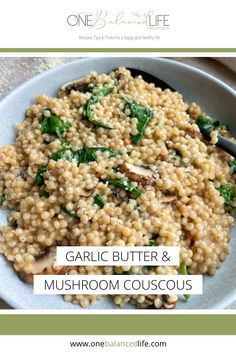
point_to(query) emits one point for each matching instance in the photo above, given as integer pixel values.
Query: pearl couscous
(114, 161)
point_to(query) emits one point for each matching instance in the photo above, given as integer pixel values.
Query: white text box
(119, 256)
(117, 284)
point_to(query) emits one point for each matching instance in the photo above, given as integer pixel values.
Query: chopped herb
(230, 209)
(98, 200)
(44, 193)
(127, 186)
(88, 108)
(65, 144)
(204, 122)
(232, 165)
(2, 200)
(149, 268)
(88, 88)
(116, 169)
(39, 178)
(128, 272)
(211, 124)
(220, 126)
(46, 142)
(152, 243)
(183, 270)
(228, 193)
(116, 81)
(52, 124)
(90, 154)
(62, 154)
(143, 115)
(69, 213)
(22, 174)
(83, 155)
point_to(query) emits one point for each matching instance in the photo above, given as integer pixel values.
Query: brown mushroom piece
(86, 192)
(75, 85)
(42, 265)
(149, 300)
(170, 301)
(117, 197)
(194, 133)
(26, 277)
(159, 302)
(121, 81)
(139, 174)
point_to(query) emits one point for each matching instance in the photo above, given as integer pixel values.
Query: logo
(102, 18)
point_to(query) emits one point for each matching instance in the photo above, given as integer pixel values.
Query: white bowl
(217, 100)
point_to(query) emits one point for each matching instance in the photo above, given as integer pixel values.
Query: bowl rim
(97, 59)
(12, 301)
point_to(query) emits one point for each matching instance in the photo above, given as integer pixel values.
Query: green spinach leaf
(127, 186)
(51, 124)
(88, 108)
(98, 201)
(69, 213)
(211, 124)
(83, 155)
(39, 178)
(44, 193)
(228, 193)
(143, 115)
(232, 165)
(183, 270)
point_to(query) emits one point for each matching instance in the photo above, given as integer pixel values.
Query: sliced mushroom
(75, 85)
(149, 300)
(86, 192)
(194, 133)
(117, 196)
(44, 261)
(22, 174)
(169, 306)
(42, 265)
(26, 278)
(139, 174)
(121, 80)
(159, 301)
(170, 302)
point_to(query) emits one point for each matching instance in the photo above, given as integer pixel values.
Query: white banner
(118, 256)
(117, 284)
(121, 24)
(139, 344)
